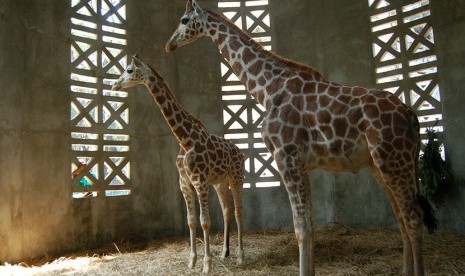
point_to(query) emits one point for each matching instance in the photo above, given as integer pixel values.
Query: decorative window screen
(242, 115)
(99, 117)
(405, 60)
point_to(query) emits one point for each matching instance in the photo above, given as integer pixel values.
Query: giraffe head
(191, 26)
(135, 73)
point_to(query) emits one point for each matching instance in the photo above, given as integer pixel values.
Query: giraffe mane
(170, 92)
(256, 46)
(161, 80)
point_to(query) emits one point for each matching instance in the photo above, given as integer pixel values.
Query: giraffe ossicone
(311, 122)
(204, 160)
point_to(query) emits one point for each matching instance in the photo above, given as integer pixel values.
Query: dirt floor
(340, 250)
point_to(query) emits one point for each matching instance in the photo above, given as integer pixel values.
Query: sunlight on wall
(405, 57)
(99, 117)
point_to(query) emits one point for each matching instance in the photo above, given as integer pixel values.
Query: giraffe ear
(136, 60)
(189, 6)
(196, 7)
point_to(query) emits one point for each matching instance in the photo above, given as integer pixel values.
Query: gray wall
(449, 26)
(34, 197)
(11, 77)
(38, 215)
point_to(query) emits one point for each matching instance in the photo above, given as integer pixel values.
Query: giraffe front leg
(202, 193)
(223, 196)
(207, 260)
(193, 251)
(188, 193)
(305, 241)
(298, 188)
(309, 230)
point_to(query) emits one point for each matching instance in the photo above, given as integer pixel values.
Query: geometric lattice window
(405, 59)
(242, 115)
(99, 117)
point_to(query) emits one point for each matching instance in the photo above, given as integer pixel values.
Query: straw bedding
(339, 250)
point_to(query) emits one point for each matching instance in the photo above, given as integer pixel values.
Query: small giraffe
(204, 159)
(311, 123)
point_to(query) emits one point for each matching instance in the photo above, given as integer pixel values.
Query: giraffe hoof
(206, 270)
(240, 258)
(224, 254)
(206, 265)
(192, 262)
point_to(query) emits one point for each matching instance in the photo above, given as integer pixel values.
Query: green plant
(435, 176)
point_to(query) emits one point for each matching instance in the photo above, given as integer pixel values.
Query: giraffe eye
(130, 71)
(184, 21)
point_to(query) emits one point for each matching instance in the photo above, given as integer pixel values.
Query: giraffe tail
(429, 217)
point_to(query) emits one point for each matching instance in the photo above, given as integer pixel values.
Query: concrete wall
(34, 138)
(38, 215)
(11, 76)
(449, 26)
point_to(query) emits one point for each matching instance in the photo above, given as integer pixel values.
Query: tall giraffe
(311, 123)
(204, 159)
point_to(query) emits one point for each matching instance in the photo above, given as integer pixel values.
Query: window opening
(242, 115)
(99, 117)
(405, 59)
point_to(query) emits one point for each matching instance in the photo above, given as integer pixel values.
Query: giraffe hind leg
(407, 264)
(225, 202)
(397, 172)
(402, 191)
(412, 215)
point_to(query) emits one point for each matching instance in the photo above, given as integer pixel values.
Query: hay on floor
(339, 250)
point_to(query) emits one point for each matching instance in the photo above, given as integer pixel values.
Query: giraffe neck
(261, 71)
(181, 122)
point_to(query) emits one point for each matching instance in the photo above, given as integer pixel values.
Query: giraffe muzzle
(116, 87)
(170, 47)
